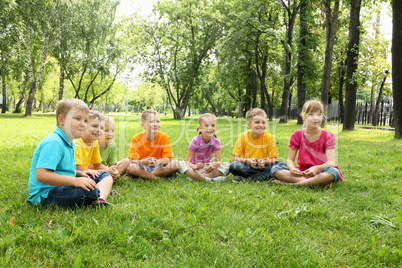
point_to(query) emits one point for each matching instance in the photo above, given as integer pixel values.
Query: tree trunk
(331, 22)
(352, 55)
(4, 86)
(288, 51)
(397, 66)
(61, 81)
(377, 106)
(373, 87)
(34, 84)
(301, 94)
(341, 83)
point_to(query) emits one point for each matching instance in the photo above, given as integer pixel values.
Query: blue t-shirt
(55, 152)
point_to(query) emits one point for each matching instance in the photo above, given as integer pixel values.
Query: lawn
(186, 223)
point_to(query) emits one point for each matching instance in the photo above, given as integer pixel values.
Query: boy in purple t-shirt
(199, 163)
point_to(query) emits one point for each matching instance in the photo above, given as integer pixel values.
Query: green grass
(186, 223)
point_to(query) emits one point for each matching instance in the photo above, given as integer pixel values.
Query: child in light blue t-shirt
(52, 178)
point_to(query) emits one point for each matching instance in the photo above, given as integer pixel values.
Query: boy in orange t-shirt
(150, 151)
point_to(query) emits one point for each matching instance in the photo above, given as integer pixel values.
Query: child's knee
(133, 169)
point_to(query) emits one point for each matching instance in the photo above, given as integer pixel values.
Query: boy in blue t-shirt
(52, 178)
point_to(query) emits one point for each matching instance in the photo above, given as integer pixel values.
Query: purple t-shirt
(203, 152)
(312, 153)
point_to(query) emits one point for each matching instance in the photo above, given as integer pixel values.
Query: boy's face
(108, 132)
(152, 125)
(258, 124)
(93, 130)
(74, 124)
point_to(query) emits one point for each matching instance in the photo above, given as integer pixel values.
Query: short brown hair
(253, 112)
(145, 114)
(66, 105)
(95, 114)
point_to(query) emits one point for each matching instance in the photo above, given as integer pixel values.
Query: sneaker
(113, 193)
(239, 178)
(100, 202)
(219, 178)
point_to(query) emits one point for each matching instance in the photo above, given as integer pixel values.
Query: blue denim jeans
(246, 171)
(331, 170)
(70, 196)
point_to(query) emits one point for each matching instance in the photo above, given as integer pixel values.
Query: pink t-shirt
(312, 153)
(203, 152)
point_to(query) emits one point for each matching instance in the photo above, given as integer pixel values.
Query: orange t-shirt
(141, 147)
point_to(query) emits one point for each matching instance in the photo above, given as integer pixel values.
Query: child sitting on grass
(316, 147)
(52, 179)
(108, 147)
(150, 151)
(255, 150)
(199, 164)
(87, 149)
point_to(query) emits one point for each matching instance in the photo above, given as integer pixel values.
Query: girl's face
(207, 126)
(313, 118)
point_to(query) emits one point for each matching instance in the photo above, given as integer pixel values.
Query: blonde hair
(66, 105)
(253, 112)
(108, 120)
(95, 114)
(203, 116)
(312, 106)
(145, 114)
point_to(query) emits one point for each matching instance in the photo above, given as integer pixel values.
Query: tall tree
(331, 21)
(397, 66)
(352, 64)
(182, 39)
(301, 66)
(97, 52)
(38, 37)
(291, 8)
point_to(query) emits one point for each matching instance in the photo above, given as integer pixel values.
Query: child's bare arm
(49, 177)
(312, 171)
(290, 162)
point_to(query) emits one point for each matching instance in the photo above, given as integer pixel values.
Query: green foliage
(181, 222)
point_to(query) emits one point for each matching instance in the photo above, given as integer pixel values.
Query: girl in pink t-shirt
(199, 162)
(316, 147)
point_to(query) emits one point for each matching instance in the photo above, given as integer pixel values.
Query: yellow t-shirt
(141, 147)
(86, 155)
(262, 148)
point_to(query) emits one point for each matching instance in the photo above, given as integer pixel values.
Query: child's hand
(261, 163)
(252, 162)
(296, 173)
(199, 165)
(311, 172)
(85, 183)
(211, 167)
(89, 173)
(150, 162)
(113, 171)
